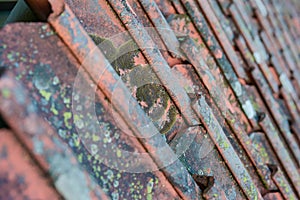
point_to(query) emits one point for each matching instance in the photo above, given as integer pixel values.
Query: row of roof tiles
(214, 83)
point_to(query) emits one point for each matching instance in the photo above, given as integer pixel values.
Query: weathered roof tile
(214, 83)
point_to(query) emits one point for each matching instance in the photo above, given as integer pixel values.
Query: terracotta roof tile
(179, 99)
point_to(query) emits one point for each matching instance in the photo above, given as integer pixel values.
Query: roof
(149, 99)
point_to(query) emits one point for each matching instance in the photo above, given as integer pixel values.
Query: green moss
(79, 157)
(45, 94)
(120, 58)
(106, 46)
(119, 153)
(232, 121)
(5, 92)
(226, 145)
(67, 100)
(10, 57)
(125, 55)
(184, 17)
(67, 116)
(150, 93)
(97, 40)
(95, 138)
(172, 113)
(157, 100)
(263, 153)
(149, 189)
(53, 109)
(251, 191)
(140, 75)
(245, 179)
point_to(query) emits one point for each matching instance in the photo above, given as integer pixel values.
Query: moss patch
(120, 58)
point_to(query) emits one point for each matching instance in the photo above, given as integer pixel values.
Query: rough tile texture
(149, 99)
